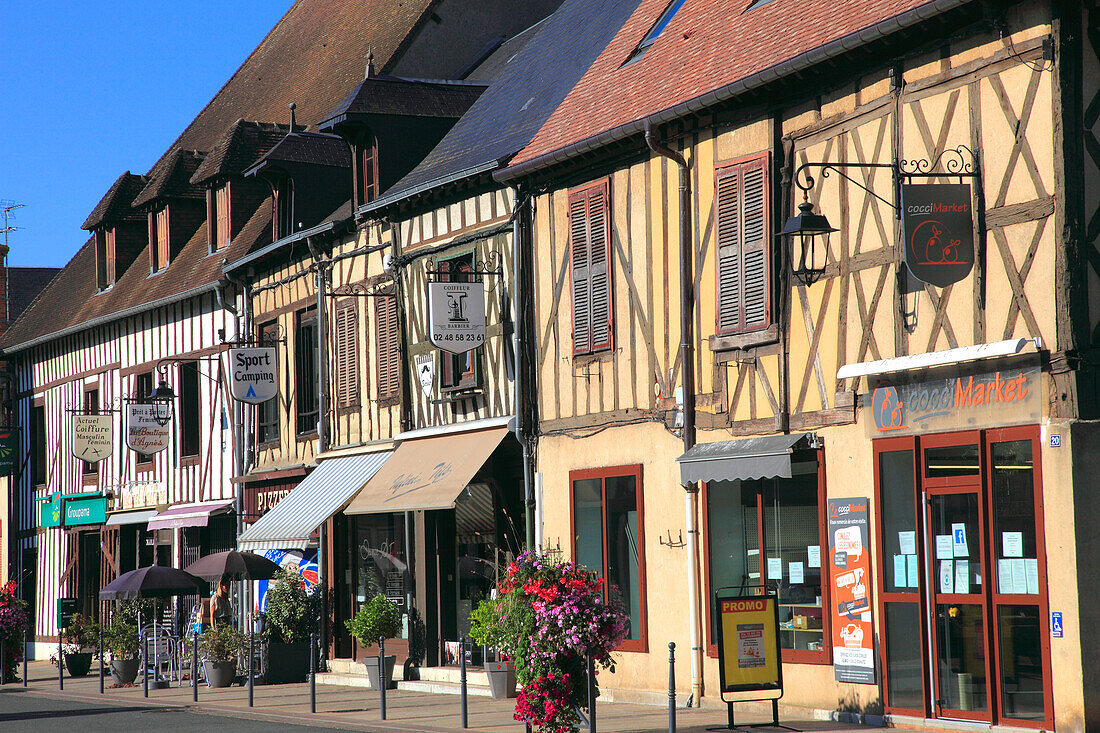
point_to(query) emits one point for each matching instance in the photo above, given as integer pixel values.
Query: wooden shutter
(589, 248)
(744, 237)
(347, 355)
(385, 311)
(164, 255)
(221, 228)
(112, 256)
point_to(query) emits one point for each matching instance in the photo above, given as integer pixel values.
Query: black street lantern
(161, 400)
(801, 230)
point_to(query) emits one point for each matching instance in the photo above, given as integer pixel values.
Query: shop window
(387, 353)
(305, 354)
(744, 251)
(458, 371)
(347, 355)
(91, 407)
(608, 538)
(190, 405)
(786, 516)
(38, 430)
(590, 263)
(267, 413)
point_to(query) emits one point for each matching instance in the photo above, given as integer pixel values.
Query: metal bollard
(194, 664)
(60, 663)
(382, 672)
(99, 659)
(313, 673)
(672, 687)
(24, 656)
(251, 665)
(462, 679)
(3, 661)
(145, 665)
(591, 693)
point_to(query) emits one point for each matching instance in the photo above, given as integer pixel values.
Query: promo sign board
(748, 642)
(937, 225)
(93, 437)
(143, 433)
(254, 374)
(850, 581)
(456, 315)
(9, 451)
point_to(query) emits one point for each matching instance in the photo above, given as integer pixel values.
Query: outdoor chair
(162, 650)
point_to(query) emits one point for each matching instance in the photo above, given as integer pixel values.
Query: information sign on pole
(93, 437)
(66, 608)
(143, 433)
(254, 374)
(456, 315)
(850, 584)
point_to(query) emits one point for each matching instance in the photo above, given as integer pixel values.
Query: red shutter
(744, 236)
(221, 227)
(164, 255)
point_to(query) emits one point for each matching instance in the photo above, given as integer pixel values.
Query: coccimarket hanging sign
(143, 433)
(93, 437)
(937, 221)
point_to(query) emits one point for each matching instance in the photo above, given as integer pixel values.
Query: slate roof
(312, 148)
(312, 57)
(240, 147)
(24, 285)
(531, 85)
(115, 204)
(705, 47)
(171, 178)
(390, 95)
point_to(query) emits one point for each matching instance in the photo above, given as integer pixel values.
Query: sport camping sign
(143, 433)
(937, 224)
(850, 588)
(253, 374)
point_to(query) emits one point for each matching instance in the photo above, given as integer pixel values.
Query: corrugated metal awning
(320, 495)
(140, 516)
(189, 515)
(751, 458)
(961, 355)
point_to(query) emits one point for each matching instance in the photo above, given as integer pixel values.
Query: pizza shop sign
(972, 400)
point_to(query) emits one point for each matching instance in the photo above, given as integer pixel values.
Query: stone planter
(371, 664)
(78, 663)
(502, 679)
(220, 674)
(124, 671)
(287, 663)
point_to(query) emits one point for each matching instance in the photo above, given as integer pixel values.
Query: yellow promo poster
(748, 643)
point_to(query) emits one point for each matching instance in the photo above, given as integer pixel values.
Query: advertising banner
(748, 642)
(85, 510)
(143, 433)
(9, 451)
(938, 228)
(93, 437)
(254, 374)
(850, 582)
(456, 315)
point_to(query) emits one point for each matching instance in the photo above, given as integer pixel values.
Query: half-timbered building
(879, 420)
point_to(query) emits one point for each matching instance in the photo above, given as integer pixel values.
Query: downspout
(321, 278)
(238, 415)
(520, 233)
(687, 367)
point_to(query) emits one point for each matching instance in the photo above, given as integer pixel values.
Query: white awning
(189, 515)
(140, 516)
(321, 494)
(960, 355)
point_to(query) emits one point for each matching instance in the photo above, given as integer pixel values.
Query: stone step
(445, 688)
(343, 678)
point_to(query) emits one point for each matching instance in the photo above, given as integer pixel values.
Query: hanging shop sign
(425, 372)
(937, 224)
(1004, 397)
(93, 437)
(456, 315)
(50, 511)
(254, 374)
(9, 451)
(140, 495)
(748, 641)
(143, 433)
(85, 510)
(850, 583)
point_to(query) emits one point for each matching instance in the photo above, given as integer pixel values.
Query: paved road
(26, 711)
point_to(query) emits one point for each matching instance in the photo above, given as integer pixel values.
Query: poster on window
(850, 581)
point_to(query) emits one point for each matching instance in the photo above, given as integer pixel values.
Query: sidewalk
(357, 708)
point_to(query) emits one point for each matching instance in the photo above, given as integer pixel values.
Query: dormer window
(366, 169)
(105, 257)
(655, 31)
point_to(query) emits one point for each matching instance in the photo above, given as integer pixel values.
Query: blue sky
(92, 89)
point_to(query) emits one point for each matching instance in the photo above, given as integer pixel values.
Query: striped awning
(320, 495)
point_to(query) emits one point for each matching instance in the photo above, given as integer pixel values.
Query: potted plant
(219, 649)
(121, 640)
(290, 614)
(78, 644)
(377, 618)
(502, 673)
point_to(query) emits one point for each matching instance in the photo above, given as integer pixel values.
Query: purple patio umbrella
(235, 565)
(154, 581)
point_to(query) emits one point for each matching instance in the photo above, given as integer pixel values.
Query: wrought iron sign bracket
(163, 364)
(107, 408)
(363, 290)
(491, 266)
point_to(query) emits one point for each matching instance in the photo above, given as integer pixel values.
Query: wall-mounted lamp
(161, 399)
(802, 231)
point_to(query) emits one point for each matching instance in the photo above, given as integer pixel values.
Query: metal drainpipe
(687, 367)
(520, 231)
(322, 341)
(225, 304)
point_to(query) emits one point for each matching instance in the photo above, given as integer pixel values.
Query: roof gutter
(117, 315)
(722, 94)
(314, 231)
(391, 199)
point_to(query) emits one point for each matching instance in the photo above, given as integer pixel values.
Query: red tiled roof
(171, 178)
(241, 146)
(705, 46)
(115, 204)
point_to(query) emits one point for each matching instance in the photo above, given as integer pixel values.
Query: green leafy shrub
(129, 611)
(82, 635)
(377, 617)
(222, 644)
(290, 611)
(121, 639)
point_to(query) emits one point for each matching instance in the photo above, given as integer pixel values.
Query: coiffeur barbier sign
(938, 226)
(850, 586)
(143, 433)
(456, 315)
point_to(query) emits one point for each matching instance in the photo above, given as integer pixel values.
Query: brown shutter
(579, 252)
(744, 246)
(112, 275)
(727, 200)
(347, 355)
(599, 266)
(385, 309)
(754, 243)
(222, 228)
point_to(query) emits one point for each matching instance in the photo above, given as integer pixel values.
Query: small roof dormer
(118, 229)
(174, 207)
